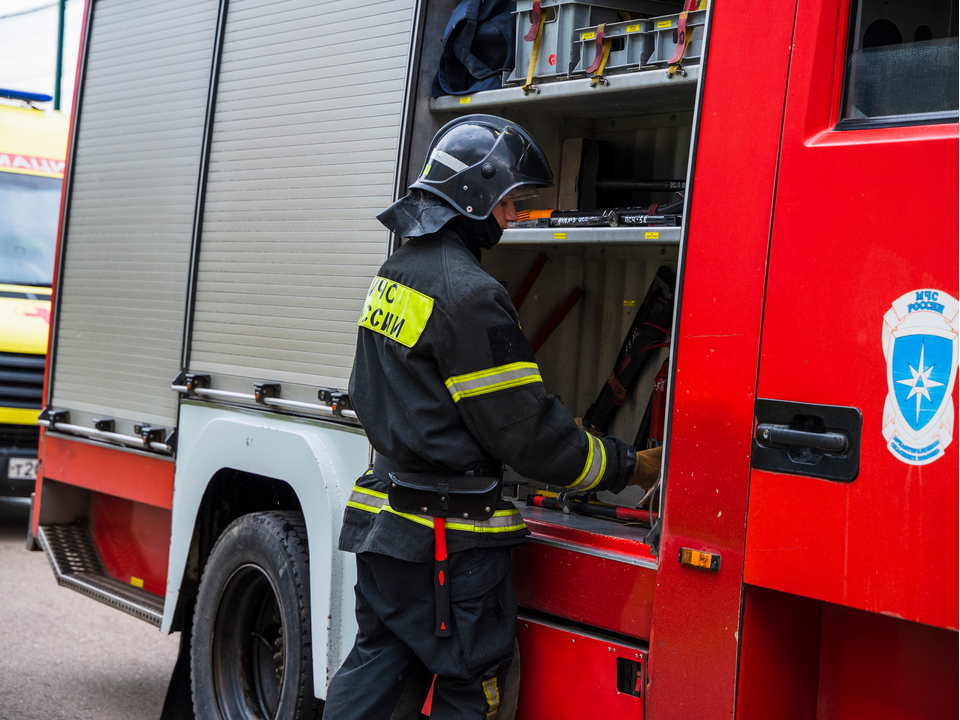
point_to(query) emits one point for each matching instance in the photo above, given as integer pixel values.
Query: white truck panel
(320, 461)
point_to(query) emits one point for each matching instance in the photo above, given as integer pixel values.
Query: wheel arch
(232, 462)
(229, 494)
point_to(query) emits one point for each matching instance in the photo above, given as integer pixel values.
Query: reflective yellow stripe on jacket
(371, 501)
(493, 379)
(594, 467)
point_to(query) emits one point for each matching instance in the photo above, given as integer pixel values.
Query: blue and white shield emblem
(920, 343)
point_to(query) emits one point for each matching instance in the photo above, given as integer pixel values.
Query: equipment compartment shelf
(653, 235)
(642, 92)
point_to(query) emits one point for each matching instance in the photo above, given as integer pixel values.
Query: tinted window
(902, 63)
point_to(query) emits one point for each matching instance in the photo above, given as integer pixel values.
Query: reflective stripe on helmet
(492, 379)
(450, 161)
(476, 160)
(371, 501)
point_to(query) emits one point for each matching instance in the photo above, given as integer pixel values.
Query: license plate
(22, 469)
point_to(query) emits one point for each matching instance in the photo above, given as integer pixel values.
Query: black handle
(831, 442)
(821, 441)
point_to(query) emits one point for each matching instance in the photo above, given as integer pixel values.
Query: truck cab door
(859, 344)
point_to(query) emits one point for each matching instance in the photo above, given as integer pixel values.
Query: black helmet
(474, 161)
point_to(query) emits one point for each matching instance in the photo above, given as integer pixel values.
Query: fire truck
(217, 239)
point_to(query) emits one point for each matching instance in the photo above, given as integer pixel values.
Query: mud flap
(178, 704)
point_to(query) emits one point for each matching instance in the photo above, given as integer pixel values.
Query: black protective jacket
(445, 381)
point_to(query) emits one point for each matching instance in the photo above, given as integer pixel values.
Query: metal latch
(49, 418)
(150, 433)
(194, 381)
(336, 399)
(263, 391)
(189, 383)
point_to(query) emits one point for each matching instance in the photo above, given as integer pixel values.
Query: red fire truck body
(788, 581)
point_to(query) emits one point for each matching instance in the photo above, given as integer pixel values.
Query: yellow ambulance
(33, 145)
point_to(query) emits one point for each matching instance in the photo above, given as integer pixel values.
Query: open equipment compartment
(639, 127)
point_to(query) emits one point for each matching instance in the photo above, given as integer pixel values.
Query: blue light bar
(29, 97)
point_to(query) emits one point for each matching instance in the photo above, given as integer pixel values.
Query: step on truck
(226, 162)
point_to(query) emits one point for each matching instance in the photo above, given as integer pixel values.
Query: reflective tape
(501, 522)
(594, 468)
(449, 160)
(365, 499)
(493, 379)
(492, 693)
(375, 502)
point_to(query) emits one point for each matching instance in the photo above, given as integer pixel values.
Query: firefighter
(445, 381)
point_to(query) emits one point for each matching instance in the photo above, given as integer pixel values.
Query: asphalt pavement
(63, 655)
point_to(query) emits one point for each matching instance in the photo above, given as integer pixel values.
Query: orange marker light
(695, 558)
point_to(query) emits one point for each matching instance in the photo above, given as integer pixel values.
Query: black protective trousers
(388, 672)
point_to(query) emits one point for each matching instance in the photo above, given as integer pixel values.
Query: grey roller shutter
(129, 229)
(303, 156)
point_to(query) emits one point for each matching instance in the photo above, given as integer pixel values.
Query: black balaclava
(477, 234)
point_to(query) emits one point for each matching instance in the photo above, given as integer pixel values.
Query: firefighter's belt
(444, 496)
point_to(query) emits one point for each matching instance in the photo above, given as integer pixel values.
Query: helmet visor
(522, 193)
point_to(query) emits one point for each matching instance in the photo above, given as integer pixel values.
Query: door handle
(820, 441)
(832, 442)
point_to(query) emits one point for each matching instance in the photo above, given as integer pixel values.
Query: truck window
(30, 208)
(901, 65)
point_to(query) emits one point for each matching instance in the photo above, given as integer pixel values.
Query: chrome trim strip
(132, 440)
(278, 402)
(275, 402)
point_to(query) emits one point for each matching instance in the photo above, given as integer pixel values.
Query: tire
(250, 654)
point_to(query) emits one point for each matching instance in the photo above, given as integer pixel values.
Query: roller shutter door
(131, 211)
(303, 156)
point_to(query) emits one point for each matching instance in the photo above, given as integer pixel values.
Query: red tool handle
(441, 579)
(611, 511)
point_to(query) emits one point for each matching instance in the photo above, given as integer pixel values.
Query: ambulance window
(902, 64)
(29, 214)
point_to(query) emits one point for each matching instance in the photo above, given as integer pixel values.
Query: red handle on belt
(441, 579)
